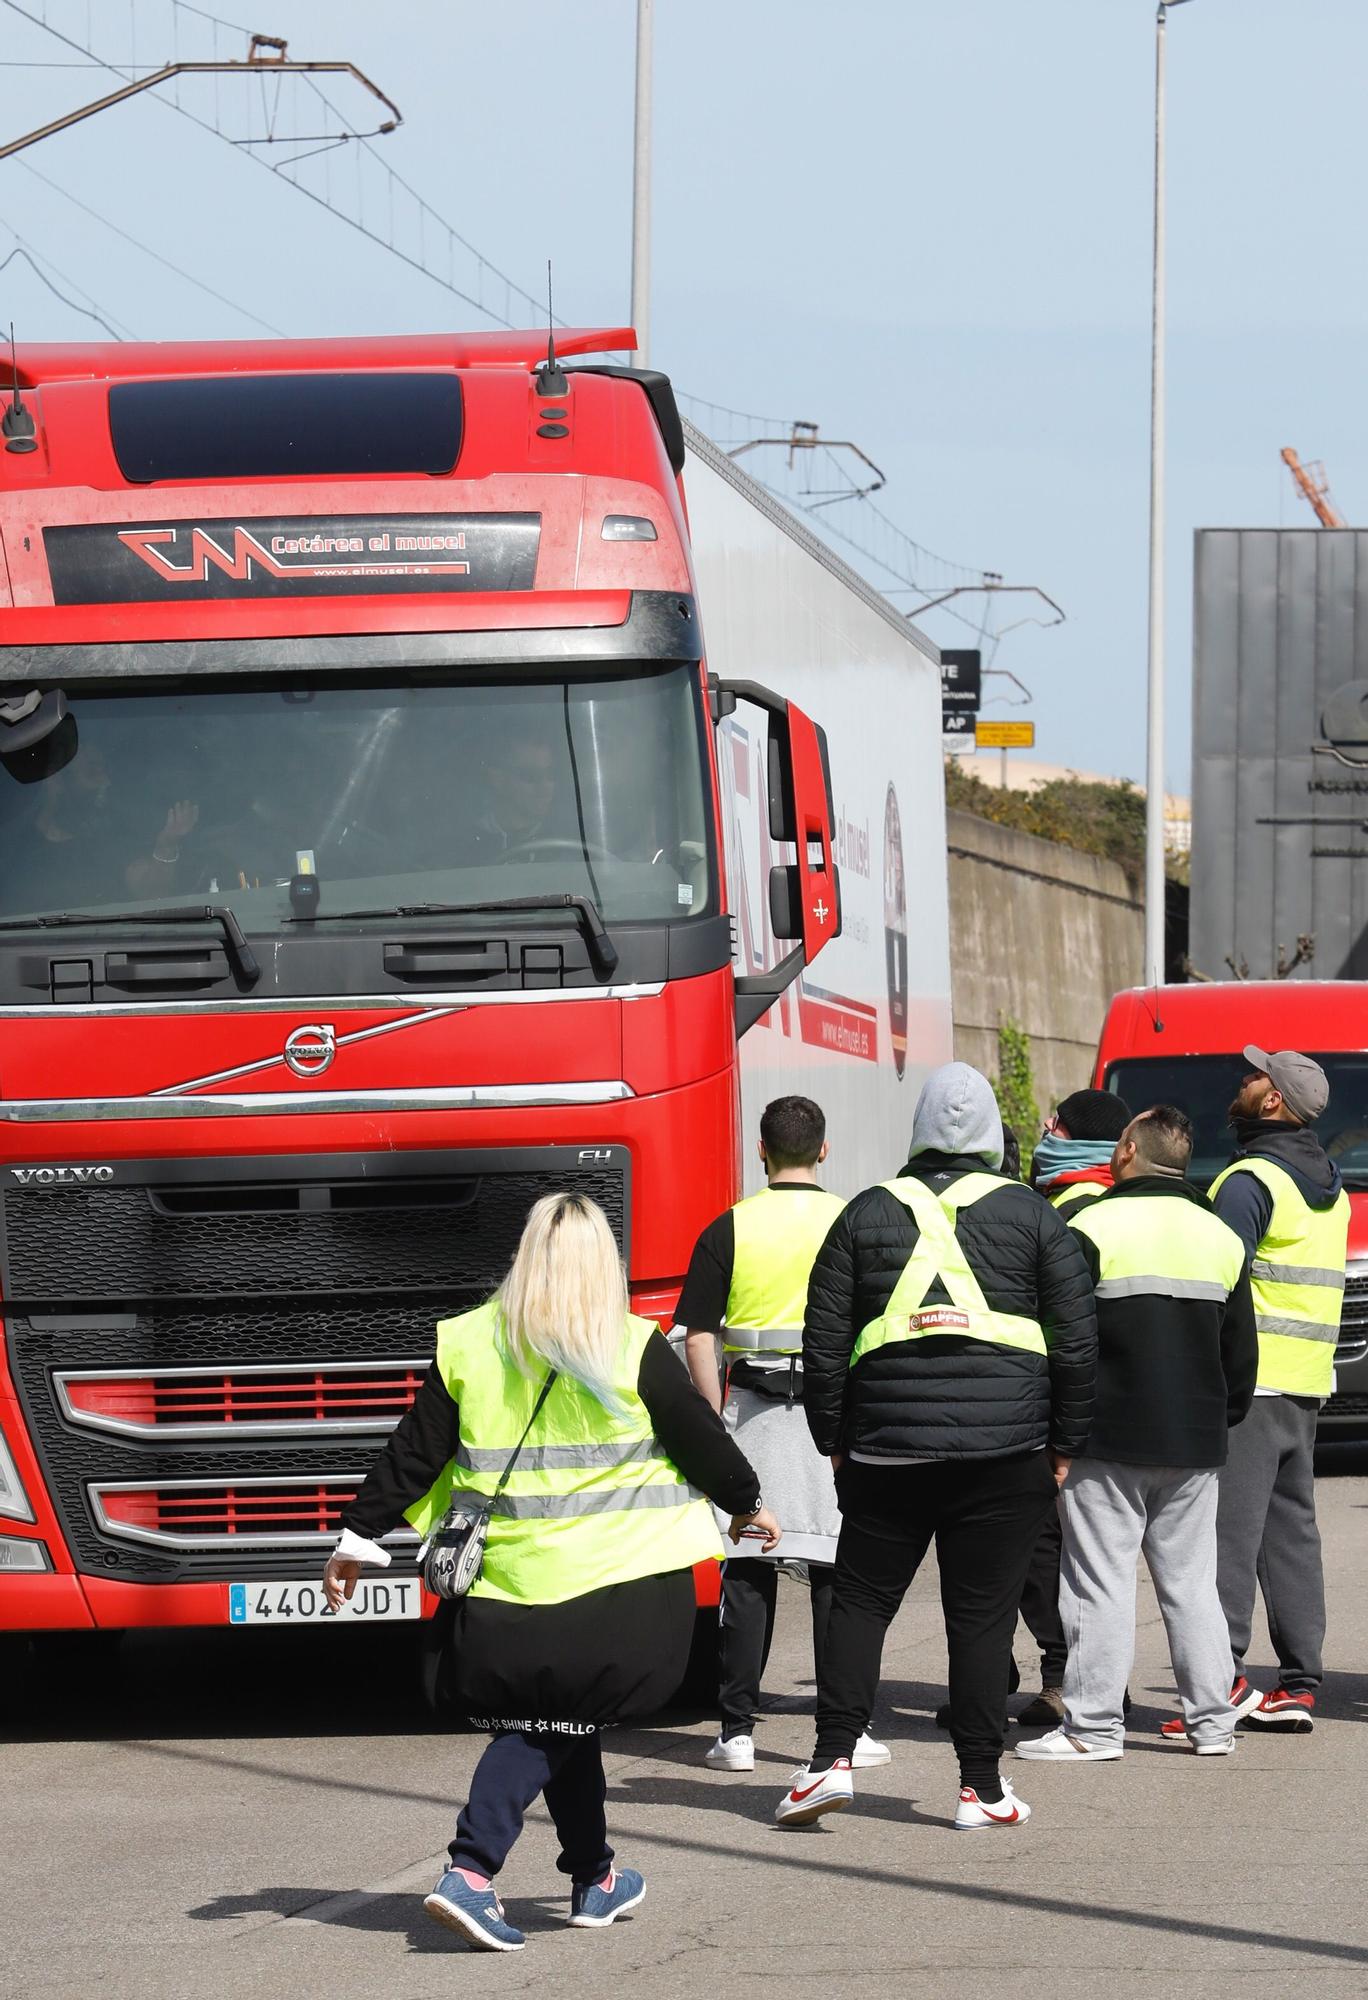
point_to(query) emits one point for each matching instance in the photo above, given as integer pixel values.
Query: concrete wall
(1043, 935)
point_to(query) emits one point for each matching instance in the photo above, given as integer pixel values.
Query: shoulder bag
(453, 1553)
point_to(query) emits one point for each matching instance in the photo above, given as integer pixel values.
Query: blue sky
(924, 226)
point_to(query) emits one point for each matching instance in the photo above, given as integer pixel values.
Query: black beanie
(1094, 1114)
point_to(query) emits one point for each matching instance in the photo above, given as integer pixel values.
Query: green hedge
(1108, 820)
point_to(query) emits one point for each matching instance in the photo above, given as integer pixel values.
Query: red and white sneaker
(1283, 1710)
(972, 1815)
(1244, 1696)
(813, 1793)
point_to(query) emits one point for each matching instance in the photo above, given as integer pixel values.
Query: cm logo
(309, 1050)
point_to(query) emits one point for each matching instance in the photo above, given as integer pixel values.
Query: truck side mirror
(804, 894)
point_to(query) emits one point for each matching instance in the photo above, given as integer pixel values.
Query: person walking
(949, 1352)
(1286, 1202)
(583, 1609)
(746, 1289)
(1177, 1356)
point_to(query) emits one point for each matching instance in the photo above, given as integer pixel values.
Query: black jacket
(945, 1396)
(1246, 1204)
(1173, 1375)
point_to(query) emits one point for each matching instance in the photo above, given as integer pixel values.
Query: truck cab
(1183, 1045)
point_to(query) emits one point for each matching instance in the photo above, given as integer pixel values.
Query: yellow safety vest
(1080, 1191)
(593, 1499)
(1297, 1278)
(1162, 1249)
(778, 1235)
(938, 1255)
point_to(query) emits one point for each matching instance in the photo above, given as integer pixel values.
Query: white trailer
(860, 1031)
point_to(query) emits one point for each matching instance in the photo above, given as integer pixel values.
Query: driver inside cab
(519, 783)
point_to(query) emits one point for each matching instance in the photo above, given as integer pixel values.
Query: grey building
(1280, 753)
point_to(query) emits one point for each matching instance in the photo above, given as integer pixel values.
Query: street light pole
(641, 184)
(1154, 748)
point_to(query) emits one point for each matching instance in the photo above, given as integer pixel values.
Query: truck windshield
(1203, 1086)
(465, 791)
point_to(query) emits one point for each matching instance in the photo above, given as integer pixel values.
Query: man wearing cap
(1284, 1199)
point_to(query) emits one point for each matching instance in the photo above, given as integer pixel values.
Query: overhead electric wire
(916, 567)
(31, 258)
(157, 257)
(428, 220)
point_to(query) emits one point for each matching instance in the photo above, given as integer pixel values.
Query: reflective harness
(939, 1259)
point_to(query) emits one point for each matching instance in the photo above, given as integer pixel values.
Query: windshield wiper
(601, 946)
(235, 944)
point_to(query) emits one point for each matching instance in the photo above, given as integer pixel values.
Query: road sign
(1005, 735)
(961, 679)
(958, 722)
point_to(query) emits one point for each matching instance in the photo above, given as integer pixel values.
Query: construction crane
(1314, 487)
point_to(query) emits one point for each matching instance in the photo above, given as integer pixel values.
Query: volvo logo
(59, 1176)
(310, 1050)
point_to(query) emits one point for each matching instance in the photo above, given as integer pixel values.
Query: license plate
(282, 1603)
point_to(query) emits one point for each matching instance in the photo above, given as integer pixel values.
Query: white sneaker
(808, 1798)
(1060, 1746)
(972, 1815)
(867, 1752)
(732, 1753)
(1222, 1746)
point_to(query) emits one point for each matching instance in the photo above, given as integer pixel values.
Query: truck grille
(207, 1514)
(1354, 1318)
(258, 1401)
(208, 1353)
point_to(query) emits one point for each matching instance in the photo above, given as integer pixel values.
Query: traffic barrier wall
(1040, 934)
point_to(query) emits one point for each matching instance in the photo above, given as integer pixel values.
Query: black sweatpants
(1040, 1602)
(985, 1516)
(750, 1591)
(518, 1765)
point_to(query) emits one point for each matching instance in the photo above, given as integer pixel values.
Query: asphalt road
(246, 1813)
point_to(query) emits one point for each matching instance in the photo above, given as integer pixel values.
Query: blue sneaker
(474, 1914)
(595, 1904)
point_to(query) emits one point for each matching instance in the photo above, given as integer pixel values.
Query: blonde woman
(583, 1610)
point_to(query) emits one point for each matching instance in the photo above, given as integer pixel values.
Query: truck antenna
(17, 423)
(551, 376)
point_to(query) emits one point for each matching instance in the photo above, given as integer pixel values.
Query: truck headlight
(14, 1501)
(16, 1555)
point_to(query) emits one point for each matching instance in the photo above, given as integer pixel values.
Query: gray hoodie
(957, 1114)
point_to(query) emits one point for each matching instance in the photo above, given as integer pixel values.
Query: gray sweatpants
(1111, 1513)
(1266, 1531)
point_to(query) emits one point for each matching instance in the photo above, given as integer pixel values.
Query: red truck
(1182, 1045)
(378, 852)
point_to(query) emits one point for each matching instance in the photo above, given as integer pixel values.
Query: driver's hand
(180, 820)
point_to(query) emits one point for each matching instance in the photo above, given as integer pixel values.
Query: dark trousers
(1266, 1533)
(750, 1592)
(1040, 1603)
(567, 1771)
(985, 1516)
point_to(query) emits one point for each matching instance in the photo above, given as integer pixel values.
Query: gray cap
(1304, 1085)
